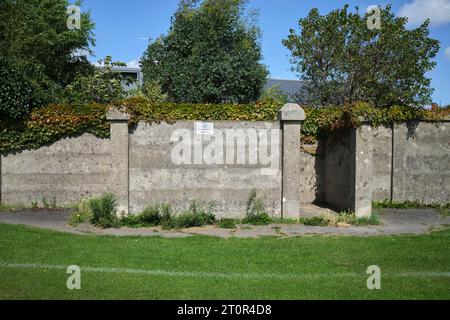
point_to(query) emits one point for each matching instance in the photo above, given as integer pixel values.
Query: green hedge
(323, 120)
(49, 124)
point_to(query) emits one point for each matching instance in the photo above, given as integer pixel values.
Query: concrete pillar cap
(291, 112)
(115, 114)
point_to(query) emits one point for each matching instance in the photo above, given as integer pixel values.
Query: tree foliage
(343, 61)
(103, 86)
(34, 38)
(211, 54)
(17, 96)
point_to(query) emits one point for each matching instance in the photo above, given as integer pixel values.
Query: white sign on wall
(204, 128)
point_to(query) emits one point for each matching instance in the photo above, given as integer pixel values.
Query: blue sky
(122, 27)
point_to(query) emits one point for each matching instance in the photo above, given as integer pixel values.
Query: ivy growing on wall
(47, 125)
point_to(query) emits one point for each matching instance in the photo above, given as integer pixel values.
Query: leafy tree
(103, 86)
(35, 38)
(275, 94)
(17, 96)
(153, 92)
(211, 54)
(342, 60)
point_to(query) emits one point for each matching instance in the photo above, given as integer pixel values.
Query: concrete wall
(382, 163)
(412, 162)
(156, 178)
(409, 161)
(421, 162)
(312, 175)
(145, 166)
(66, 171)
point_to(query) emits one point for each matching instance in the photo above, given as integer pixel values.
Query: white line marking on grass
(233, 275)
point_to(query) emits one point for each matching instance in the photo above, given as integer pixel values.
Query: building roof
(127, 69)
(291, 87)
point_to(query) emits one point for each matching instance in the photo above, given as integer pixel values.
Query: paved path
(394, 221)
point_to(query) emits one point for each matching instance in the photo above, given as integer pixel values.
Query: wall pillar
(119, 158)
(362, 145)
(291, 116)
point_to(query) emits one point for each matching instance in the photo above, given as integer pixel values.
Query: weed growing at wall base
(4, 207)
(255, 212)
(389, 204)
(343, 218)
(227, 223)
(104, 211)
(444, 209)
(373, 220)
(196, 216)
(162, 215)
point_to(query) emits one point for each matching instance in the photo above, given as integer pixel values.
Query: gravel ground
(394, 221)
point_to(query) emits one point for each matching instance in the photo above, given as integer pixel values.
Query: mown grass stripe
(202, 274)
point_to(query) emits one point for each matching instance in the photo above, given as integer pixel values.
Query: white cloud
(134, 64)
(447, 53)
(417, 11)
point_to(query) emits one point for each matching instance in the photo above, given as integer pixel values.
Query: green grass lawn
(212, 268)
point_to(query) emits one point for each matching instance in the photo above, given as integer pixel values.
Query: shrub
(346, 217)
(131, 221)
(314, 221)
(227, 223)
(255, 211)
(332, 220)
(280, 220)
(79, 217)
(258, 219)
(153, 92)
(103, 86)
(151, 216)
(82, 214)
(373, 220)
(254, 204)
(196, 216)
(104, 211)
(275, 94)
(45, 203)
(186, 220)
(161, 214)
(166, 217)
(205, 214)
